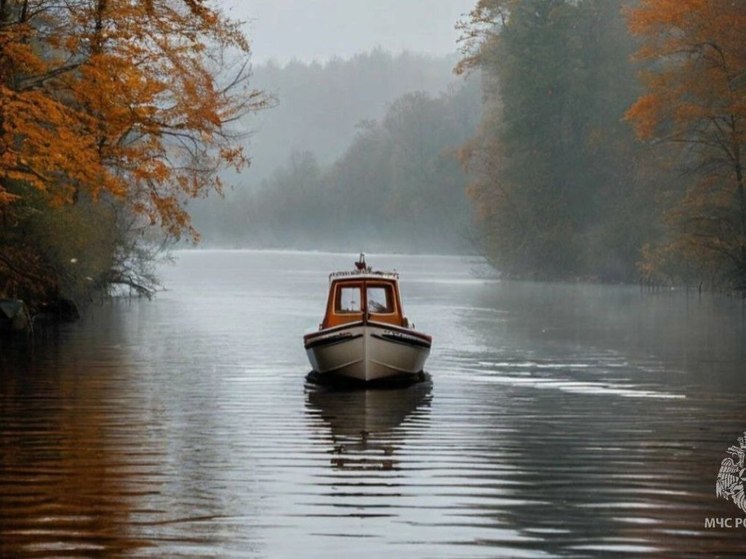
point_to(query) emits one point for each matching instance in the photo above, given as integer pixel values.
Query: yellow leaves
(23, 58)
(699, 50)
(650, 15)
(153, 170)
(696, 96)
(47, 148)
(644, 115)
(688, 112)
(699, 43)
(234, 157)
(6, 198)
(120, 98)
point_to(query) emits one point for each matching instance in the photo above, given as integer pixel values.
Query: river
(561, 420)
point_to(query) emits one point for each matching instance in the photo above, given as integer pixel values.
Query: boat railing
(368, 273)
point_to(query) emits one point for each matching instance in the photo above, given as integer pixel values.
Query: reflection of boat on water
(364, 424)
(352, 412)
(365, 336)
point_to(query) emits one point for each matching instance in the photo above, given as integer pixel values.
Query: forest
(611, 141)
(347, 146)
(585, 140)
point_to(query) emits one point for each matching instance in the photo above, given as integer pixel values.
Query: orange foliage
(120, 98)
(480, 26)
(695, 52)
(697, 55)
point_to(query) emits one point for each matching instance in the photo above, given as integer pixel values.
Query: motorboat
(364, 336)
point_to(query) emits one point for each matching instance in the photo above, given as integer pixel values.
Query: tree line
(319, 109)
(397, 187)
(319, 103)
(612, 137)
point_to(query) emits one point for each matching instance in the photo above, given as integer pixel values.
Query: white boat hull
(367, 351)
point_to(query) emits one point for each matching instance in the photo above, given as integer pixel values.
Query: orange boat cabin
(372, 296)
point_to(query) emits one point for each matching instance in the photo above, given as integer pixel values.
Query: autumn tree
(119, 102)
(695, 77)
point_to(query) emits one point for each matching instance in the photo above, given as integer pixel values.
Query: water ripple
(180, 428)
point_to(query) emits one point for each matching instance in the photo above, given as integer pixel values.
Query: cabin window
(348, 300)
(380, 299)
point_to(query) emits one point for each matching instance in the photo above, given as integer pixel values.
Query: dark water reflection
(366, 425)
(561, 421)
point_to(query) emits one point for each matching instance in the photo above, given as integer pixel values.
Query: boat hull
(367, 351)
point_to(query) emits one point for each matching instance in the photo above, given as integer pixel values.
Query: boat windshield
(359, 300)
(348, 299)
(380, 299)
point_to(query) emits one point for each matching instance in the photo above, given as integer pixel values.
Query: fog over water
(561, 420)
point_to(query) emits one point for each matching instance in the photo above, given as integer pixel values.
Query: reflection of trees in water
(100, 456)
(67, 484)
(599, 472)
(588, 475)
(365, 424)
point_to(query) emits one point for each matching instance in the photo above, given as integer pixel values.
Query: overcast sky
(320, 29)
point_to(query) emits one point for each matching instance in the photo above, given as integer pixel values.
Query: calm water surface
(561, 421)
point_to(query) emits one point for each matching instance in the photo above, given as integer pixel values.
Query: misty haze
(420, 278)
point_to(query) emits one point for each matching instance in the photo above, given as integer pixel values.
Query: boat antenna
(360, 265)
